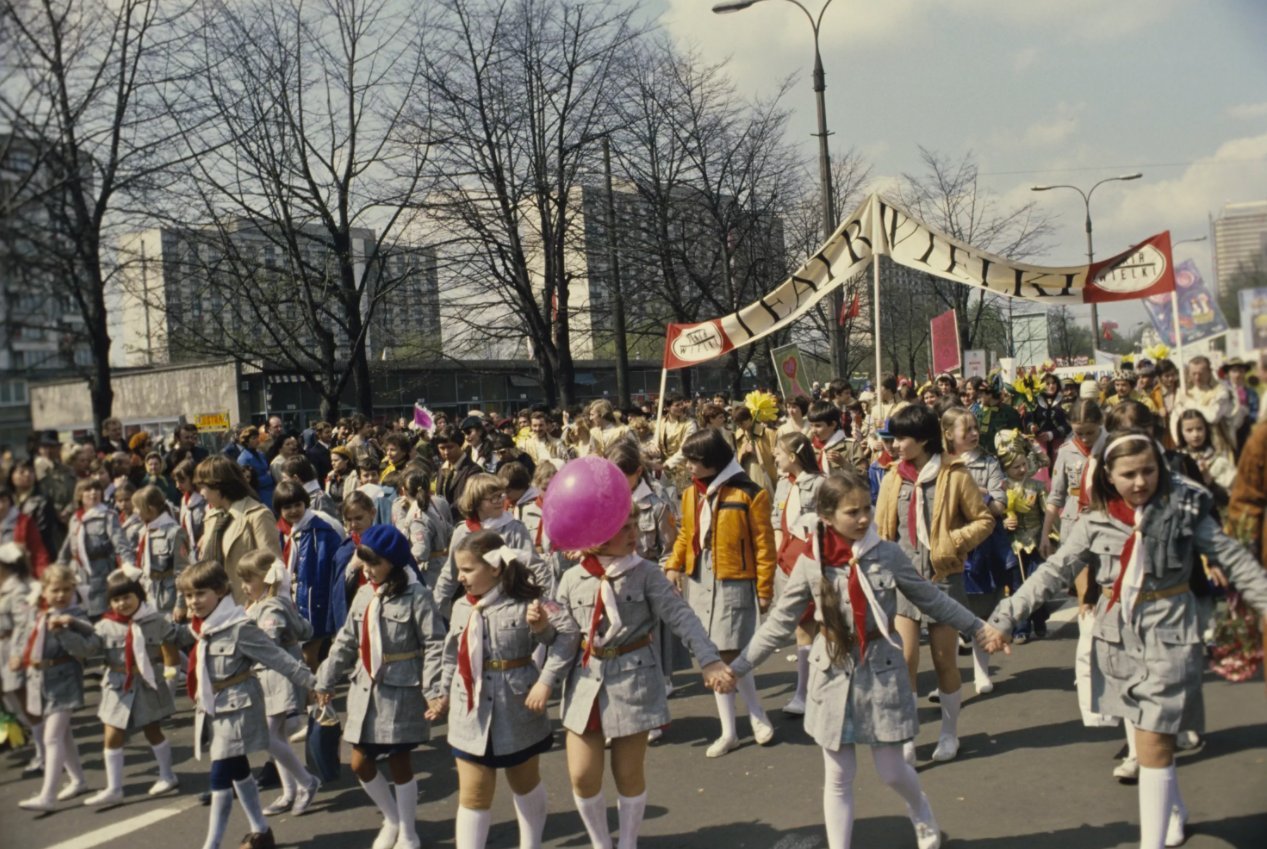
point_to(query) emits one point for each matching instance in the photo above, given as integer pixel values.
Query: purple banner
(1199, 313)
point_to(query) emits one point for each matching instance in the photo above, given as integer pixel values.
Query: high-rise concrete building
(184, 291)
(1240, 241)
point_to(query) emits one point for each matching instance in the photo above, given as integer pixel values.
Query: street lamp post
(1086, 201)
(826, 192)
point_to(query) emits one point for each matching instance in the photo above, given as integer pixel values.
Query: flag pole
(659, 413)
(1178, 331)
(875, 329)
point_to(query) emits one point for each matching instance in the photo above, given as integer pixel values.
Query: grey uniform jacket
(240, 725)
(873, 692)
(1066, 481)
(61, 686)
(428, 541)
(15, 606)
(390, 710)
(629, 688)
(104, 541)
(987, 471)
(499, 723)
(808, 486)
(278, 617)
(515, 535)
(1147, 669)
(657, 528)
(140, 705)
(169, 555)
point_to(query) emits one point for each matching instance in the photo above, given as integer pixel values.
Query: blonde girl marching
(95, 545)
(1143, 532)
(857, 693)
(162, 551)
(497, 697)
(141, 659)
(54, 643)
(615, 690)
(391, 647)
(266, 582)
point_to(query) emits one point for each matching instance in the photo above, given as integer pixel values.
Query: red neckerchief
(123, 518)
(42, 609)
(1125, 514)
(838, 553)
(885, 459)
(129, 656)
(1084, 489)
(464, 658)
(906, 471)
(473, 525)
(540, 502)
(791, 548)
(191, 672)
(284, 527)
(140, 547)
(365, 629)
(591, 565)
(701, 494)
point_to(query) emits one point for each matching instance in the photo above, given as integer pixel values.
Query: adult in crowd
(1212, 399)
(186, 448)
(236, 522)
(111, 441)
(456, 467)
(318, 449)
(258, 474)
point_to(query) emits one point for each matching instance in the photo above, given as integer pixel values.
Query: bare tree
(305, 180)
(80, 101)
(1068, 337)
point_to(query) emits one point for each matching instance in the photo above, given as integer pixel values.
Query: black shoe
(204, 799)
(1040, 629)
(267, 777)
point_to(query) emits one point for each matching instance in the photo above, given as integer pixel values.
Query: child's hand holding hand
(59, 621)
(538, 696)
(437, 708)
(719, 678)
(992, 639)
(322, 697)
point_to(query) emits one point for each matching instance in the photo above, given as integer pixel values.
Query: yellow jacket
(960, 519)
(741, 536)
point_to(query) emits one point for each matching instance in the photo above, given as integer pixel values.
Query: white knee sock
(114, 769)
(1155, 786)
(839, 769)
(980, 666)
(73, 767)
(163, 754)
(288, 763)
(1130, 739)
(630, 810)
(54, 756)
(898, 774)
(249, 799)
(593, 813)
(287, 781)
(380, 793)
(471, 828)
(37, 739)
(1178, 816)
(407, 810)
(802, 671)
(726, 713)
(218, 818)
(950, 713)
(530, 810)
(747, 688)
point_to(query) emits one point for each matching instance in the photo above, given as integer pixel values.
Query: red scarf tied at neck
(129, 650)
(906, 471)
(591, 565)
(1125, 514)
(838, 554)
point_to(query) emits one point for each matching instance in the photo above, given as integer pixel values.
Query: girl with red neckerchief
(496, 694)
(140, 659)
(1143, 533)
(858, 694)
(96, 544)
(391, 648)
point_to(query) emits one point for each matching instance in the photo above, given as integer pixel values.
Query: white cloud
(1025, 58)
(1248, 111)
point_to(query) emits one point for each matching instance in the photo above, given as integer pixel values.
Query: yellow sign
(212, 421)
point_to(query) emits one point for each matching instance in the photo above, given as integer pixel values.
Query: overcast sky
(1040, 92)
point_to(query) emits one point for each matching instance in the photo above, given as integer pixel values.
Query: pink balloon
(586, 503)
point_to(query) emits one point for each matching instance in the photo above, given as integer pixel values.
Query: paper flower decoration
(763, 406)
(1158, 352)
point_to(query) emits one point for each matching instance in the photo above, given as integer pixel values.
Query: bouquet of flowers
(11, 734)
(1237, 651)
(763, 406)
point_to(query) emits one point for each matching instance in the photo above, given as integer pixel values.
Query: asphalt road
(1028, 775)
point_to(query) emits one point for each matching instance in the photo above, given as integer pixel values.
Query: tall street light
(1086, 201)
(824, 165)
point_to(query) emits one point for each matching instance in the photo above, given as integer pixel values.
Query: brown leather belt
(609, 652)
(226, 683)
(874, 634)
(56, 661)
(1156, 595)
(503, 665)
(158, 576)
(392, 657)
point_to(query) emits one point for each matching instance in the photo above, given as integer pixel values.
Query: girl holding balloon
(723, 560)
(615, 690)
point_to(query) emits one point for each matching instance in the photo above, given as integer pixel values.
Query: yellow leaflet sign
(212, 421)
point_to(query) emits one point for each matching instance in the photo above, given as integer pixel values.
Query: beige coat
(251, 526)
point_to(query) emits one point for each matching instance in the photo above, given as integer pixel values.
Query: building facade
(1240, 241)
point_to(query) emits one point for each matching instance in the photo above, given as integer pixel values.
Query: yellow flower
(763, 406)
(1158, 352)
(1017, 501)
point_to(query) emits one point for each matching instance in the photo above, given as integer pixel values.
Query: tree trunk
(101, 386)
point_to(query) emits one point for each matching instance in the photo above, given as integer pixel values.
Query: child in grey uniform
(266, 584)
(497, 697)
(391, 644)
(16, 588)
(857, 692)
(161, 552)
(55, 641)
(141, 657)
(615, 690)
(95, 544)
(426, 526)
(224, 688)
(1142, 536)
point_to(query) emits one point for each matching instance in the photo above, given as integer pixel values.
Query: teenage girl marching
(266, 584)
(193, 507)
(391, 646)
(54, 642)
(723, 562)
(795, 503)
(95, 544)
(162, 551)
(615, 690)
(933, 509)
(427, 526)
(857, 693)
(228, 696)
(1143, 532)
(140, 658)
(497, 697)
